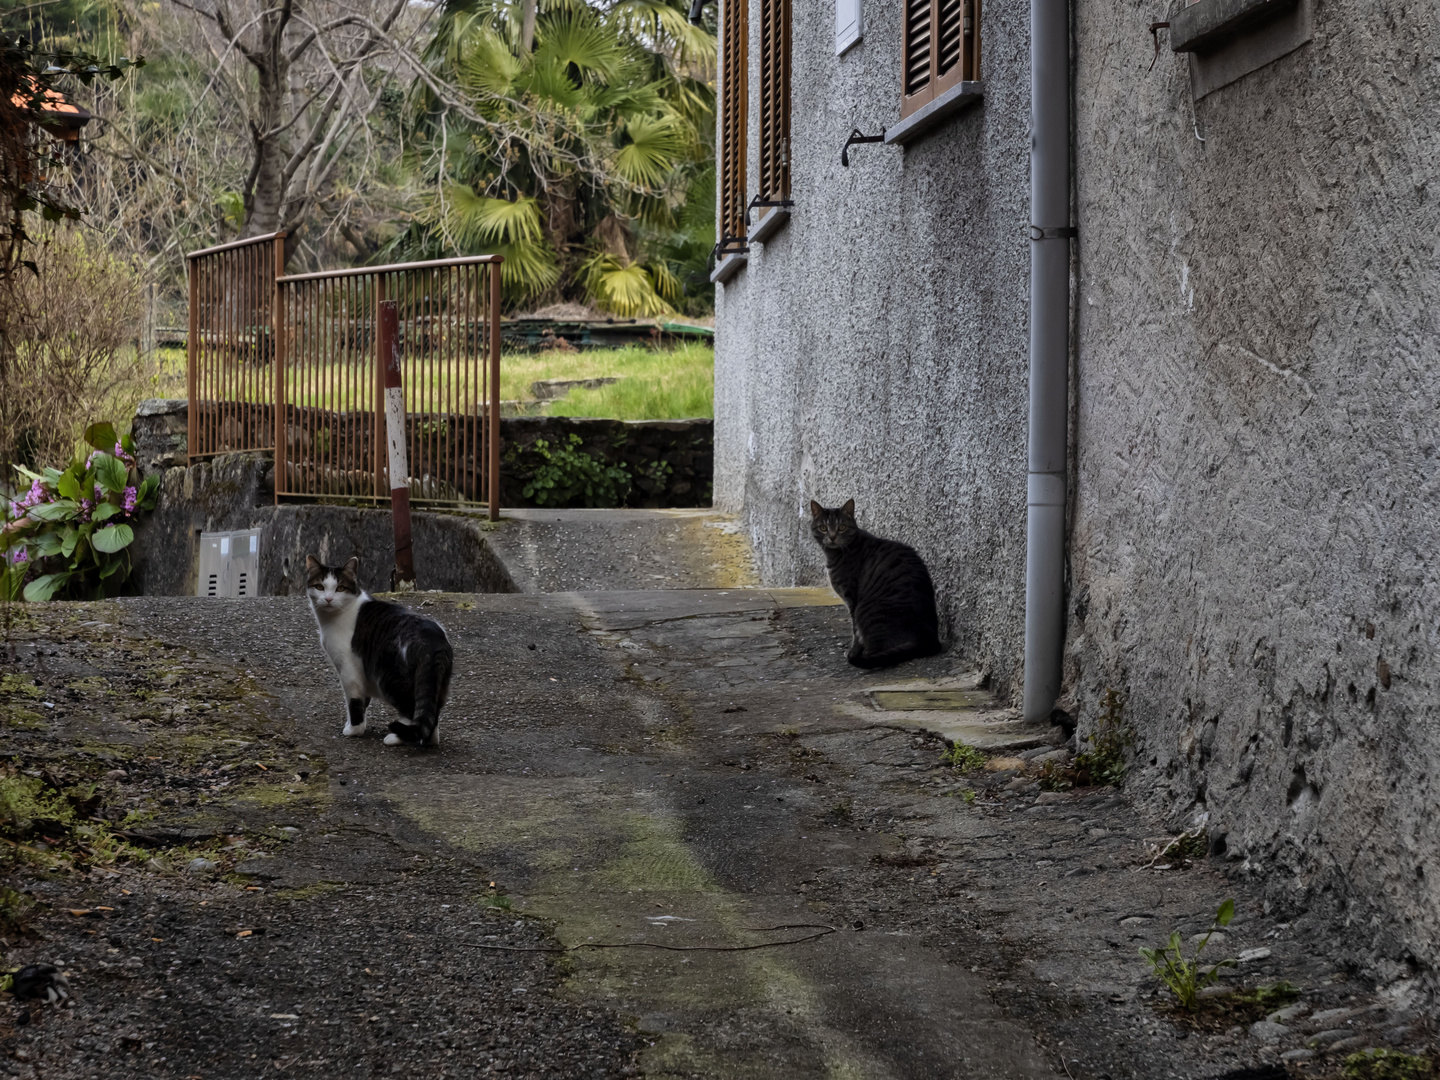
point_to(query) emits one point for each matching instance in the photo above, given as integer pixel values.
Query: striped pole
(403, 576)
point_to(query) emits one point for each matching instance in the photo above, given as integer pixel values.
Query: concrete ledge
(768, 225)
(729, 266)
(1205, 25)
(926, 117)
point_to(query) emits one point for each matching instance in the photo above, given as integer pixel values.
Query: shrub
(64, 337)
(67, 536)
(1104, 762)
(568, 476)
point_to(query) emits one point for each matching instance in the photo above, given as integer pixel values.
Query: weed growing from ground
(494, 898)
(963, 758)
(1053, 778)
(1183, 976)
(969, 796)
(15, 910)
(1104, 762)
(1385, 1065)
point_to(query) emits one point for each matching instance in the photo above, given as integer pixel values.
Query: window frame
(772, 199)
(966, 67)
(734, 149)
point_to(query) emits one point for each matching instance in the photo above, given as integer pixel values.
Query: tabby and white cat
(380, 650)
(885, 585)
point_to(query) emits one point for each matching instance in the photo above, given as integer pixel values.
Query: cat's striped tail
(432, 688)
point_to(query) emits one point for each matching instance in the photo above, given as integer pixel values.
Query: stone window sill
(768, 225)
(727, 268)
(1208, 24)
(932, 112)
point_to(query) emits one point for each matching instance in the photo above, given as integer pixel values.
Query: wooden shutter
(734, 116)
(774, 100)
(942, 49)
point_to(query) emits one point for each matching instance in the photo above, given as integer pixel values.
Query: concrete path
(699, 769)
(578, 550)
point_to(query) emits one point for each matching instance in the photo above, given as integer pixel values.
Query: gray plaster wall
(875, 347)
(1255, 528)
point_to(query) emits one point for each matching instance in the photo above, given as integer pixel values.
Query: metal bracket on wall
(1155, 28)
(728, 245)
(1067, 232)
(857, 136)
(784, 204)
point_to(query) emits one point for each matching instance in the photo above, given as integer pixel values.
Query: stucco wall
(875, 347)
(1256, 528)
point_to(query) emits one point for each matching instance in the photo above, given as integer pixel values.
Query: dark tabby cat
(885, 585)
(380, 650)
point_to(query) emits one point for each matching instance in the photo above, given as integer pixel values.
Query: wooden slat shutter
(734, 116)
(942, 49)
(774, 100)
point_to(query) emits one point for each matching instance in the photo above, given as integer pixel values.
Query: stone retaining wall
(236, 491)
(662, 463)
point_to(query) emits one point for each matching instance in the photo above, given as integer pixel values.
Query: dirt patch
(178, 856)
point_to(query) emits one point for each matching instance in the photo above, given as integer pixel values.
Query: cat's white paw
(354, 729)
(393, 740)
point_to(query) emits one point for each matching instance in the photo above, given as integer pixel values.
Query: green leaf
(1226, 913)
(68, 539)
(113, 538)
(127, 443)
(69, 486)
(111, 568)
(59, 510)
(111, 473)
(149, 488)
(43, 588)
(104, 512)
(23, 471)
(102, 436)
(43, 545)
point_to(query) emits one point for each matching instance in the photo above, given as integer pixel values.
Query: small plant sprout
(1185, 978)
(962, 758)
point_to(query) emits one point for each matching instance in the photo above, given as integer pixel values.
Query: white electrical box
(849, 25)
(230, 563)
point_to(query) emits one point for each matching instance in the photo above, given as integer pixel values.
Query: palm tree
(588, 137)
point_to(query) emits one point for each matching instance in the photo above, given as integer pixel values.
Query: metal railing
(324, 399)
(231, 344)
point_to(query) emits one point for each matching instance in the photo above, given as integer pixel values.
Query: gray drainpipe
(1049, 352)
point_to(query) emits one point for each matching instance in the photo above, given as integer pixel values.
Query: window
(942, 50)
(734, 117)
(849, 25)
(774, 155)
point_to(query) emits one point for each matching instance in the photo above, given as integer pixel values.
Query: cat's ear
(816, 510)
(311, 564)
(352, 564)
(849, 509)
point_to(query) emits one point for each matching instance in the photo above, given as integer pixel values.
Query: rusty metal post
(277, 361)
(403, 576)
(493, 449)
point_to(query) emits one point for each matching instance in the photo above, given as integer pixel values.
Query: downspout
(1050, 234)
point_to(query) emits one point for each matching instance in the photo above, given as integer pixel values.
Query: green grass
(656, 384)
